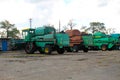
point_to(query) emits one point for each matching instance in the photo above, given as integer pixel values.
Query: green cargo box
(88, 40)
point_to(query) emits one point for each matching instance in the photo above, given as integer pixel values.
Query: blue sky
(42, 12)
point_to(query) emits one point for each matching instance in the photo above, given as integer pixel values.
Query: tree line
(98, 26)
(94, 27)
(10, 31)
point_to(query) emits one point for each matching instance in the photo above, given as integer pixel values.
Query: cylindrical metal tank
(75, 37)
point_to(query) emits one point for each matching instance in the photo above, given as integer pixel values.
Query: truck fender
(110, 46)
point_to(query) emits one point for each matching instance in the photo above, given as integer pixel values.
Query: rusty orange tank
(75, 39)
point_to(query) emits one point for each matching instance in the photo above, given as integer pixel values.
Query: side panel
(88, 40)
(41, 41)
(62, 40)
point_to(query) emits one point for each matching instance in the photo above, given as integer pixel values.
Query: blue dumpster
(4, 45)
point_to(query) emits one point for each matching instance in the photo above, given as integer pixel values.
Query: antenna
(30, 22)
(59, 25)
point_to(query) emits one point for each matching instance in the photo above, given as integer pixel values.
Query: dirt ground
(94, 65)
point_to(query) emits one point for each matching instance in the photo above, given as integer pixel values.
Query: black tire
(30, 48)
(85, 49)
(41, 52)
(47, 49)
(69, 50)
(75, 49)
(112, 48)
(61, 50)
(104, 47)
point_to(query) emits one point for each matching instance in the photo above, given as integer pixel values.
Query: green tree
(95, 26)
(9, 28)
(13, 33)
(2, 33)
(84, 29)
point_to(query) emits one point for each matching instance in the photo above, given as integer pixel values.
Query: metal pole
(59, 25)
(30, 23)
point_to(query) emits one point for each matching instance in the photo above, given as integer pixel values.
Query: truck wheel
(30, 48)
(85, 49)
(113, 47)
(75, 48)
(40, 50)
(69, 50)
(104, 47)
(47, 49)
(61, 50)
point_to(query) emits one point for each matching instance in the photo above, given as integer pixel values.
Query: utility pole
(30, 22)
(59, 25)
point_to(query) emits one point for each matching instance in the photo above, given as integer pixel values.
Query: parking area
(94, 65)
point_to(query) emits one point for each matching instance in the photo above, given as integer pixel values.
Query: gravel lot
(94, 65)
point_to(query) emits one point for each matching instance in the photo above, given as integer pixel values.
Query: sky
(43, 12)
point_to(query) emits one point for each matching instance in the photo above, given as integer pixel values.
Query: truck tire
(61, 50)
(104, 47)
(85, 49)
(75, 48)
(30, 48)
(113, 48)
(40, 50)
(69, 50)
(47, 49)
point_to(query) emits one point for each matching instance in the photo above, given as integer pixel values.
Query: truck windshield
(27, 32)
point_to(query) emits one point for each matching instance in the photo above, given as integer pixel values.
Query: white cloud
(15, 12)
(50, 11)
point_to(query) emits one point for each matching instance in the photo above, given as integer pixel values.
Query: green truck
(99, 41)
(45, 40)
